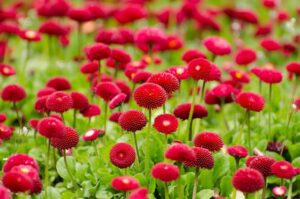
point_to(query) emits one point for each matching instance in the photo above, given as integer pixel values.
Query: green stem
(290, 192)
(105, 116)
(249, 129)
(202, 91)
(167, 196)
(191, 130)
(74, 118)
(192, 110)
(136, 147)
(79, 39)
(95, 148)
(195, 183)
(270, 110)
(164, 108)
(47, 170)
(147, 155)
(234, 193)
(223, 113)
(237, 163)
(100, 70)
(288, 124)
(179, 185)
(68, 170)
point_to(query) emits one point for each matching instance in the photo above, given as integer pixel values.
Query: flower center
(30, 34)
(166, 123)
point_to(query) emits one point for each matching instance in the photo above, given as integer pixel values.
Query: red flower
(9, 28)
(129, 13)
(132, 120)
(117, 100)
(166, 123)
(13, 93)
(245, 56)
(140, 76)
(150, 96)
(180, 152)
(173, 42)
(2, 117)
(7, 70)
(283, 169)
(149, 39)
(182, 111)
(248, 180)
(80, 101)
(296, 104)
(91, 111)
(199, 68)
(59, 83)
(237, 151)
(124, 183)
(166, 80)
(70, 139)
(217, 45)
(250, 101)
(19, 159)
(114, 117)
(191, 54)
(262, 164)
(52, 28)
(270, 44)
(181, 72)
(165, 172)
(220, 92)
(90, 67)
(33, 122)
(140, 193)
(239, 76)
(5, 132)
(80, 14)
(5, 193)
(203, 159)
(17, 182)
(30, 35)
(294, 68)
(209, 140)
(45, 91)
(122, 155)
(279, 191)
(59, 102)
(123, 86)
(53, 8)
(40, 105)
(97, 52)
(270, 76)
(118, 59)
(92, 134)
(270, 3)
(107, 90)
(50, 127)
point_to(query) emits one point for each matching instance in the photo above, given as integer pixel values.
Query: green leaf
(61, 167)
(205, 194)
(221, 166)
(226, 186)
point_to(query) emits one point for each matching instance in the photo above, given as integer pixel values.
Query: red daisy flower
(165, 172)
(191, 54)
(262, 164)
(45, 92)
(80, 14)
(117, 100)
(123, 86)
(199, 68)
(122, 155)
(209, 140)
(181, 72)
(140, 193)
(33, 122)
(250, 101)
(245, 56)
(50, 127)
(294, 68)
(140, 76)
(59, 102)
(92, 134)
(283, 169)
(52, 28)
(270, 76)
(166, 80)
(13, 93)
(19, 159)
(89, 68)
(97, 52)
(5, 132)
(237, 151)
(2, 117)
(270, 44)
(182, 111)
(124, 183)
(248, 180)
(114, 117)
(279, 191)
(7, 70)
(107, 90)
(180, 152)
(17, 182)
(132, 120)
(5, 193)
(69, 140)
(80, 101)
(217, 45)
(203, 159)
(166, 123)
(239, 76)
(59, 83)
(150, 96)
(91, 111)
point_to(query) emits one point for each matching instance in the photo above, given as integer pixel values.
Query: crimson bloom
(117, 100)
(283, 169)
(80, 14)
(262, 164)
(165, 172)
(107, 90)
(70, 139)
(179, 152)
(279, 191)
(59, 102)
(293, 68)
(237, 151)
(182, 111)
(13, 93)
(7, 70)
(122, 155)
(5, 132)
(97, 52)
(91, 111)
(217, 45)
(80, 101)
(132, 120)
(150, 95)
(59, 83)
(199, 68)
(181, 72)
(166, 123)
(124, 183)
(166, 80)
(250, 101)
(5, 193)
(52, 28)
(17, 182)
(19, 159)
(203, 159)
(209, 140)
(50, 127)
(191, 54)
(140, 193)
(270, 44)
(248, 180)
(245, 56)
(30, 35)
(92, 134)
(270, 76)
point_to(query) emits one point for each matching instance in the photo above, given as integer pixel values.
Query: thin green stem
(179, 185)
(192, 111)
(167, 196)
(47, 170)
(290, 192)
(95, 148)
(136, 147)
(147, 155)
(196, 180)
(288, 124)
(202, 91)
(249, 129)
(99, 69)
(74, 118)
(68, 170)
(105, 116)
(270, 110)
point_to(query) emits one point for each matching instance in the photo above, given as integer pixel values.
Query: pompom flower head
(250, 101)
(166, 80)
(209, 140)
(180, 152)
(217, 45)
(132, 120)
(203, 159)
(122, 155)
(165, 172)
(165, 123)
(124, 183)
(97, 52)
(69, 140)
(92, 134)
(150, 96)
(237, 151)
(13, 93)
(59, 101)
(59, 83)
(199, 68)
(248, 180)
(182, 111)
(262, 164)
(19, 159)
(283, 169)
(50, 127)
(245, 56)
(107, 90)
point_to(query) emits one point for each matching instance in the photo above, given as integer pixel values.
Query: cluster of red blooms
(112, 55)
